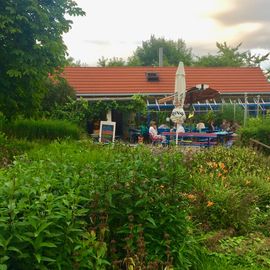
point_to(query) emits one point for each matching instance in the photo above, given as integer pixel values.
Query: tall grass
(31, 129)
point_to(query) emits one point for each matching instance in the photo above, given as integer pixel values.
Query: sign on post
(107, 132)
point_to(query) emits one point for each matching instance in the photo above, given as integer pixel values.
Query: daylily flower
(209, 204)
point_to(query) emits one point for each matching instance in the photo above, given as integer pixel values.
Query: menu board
(107, 132)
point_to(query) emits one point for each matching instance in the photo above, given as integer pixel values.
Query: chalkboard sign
(107, 132)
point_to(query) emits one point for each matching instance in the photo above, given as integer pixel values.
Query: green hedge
(258, 129)
(42, 129)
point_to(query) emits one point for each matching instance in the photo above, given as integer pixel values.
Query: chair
(154, 140)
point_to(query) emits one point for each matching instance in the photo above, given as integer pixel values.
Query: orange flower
(191, 197)
(215, 165)
(219, 174)
(222, 165)
(209, 204)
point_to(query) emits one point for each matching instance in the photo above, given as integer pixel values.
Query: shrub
(42, 129)
(11, 148)
(257, 128)
(229, 185)
(83, 206)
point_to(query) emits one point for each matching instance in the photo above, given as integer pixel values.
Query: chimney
(160, 57)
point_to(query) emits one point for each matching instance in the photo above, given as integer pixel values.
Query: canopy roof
(196, 95)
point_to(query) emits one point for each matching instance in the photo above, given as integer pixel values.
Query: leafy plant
(31, 129)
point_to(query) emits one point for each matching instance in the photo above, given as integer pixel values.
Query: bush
(11, 148)
(257, 128)
(42, 129)
(229, 186)
(84, 206)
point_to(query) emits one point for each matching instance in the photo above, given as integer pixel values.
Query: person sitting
(211, 127)
(163, 126)
(225, 126)
(200, 126)
(153, 133)
(235, 126)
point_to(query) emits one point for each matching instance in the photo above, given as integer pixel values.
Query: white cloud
(116, 28)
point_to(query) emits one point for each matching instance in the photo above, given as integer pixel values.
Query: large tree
(31, 48)
(173, 52)
(230, 56)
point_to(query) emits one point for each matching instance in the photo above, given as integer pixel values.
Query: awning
(197, 95)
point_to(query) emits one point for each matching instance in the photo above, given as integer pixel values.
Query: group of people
(153, 131)
(229, 126)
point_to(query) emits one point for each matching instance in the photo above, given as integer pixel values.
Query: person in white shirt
(154, 133)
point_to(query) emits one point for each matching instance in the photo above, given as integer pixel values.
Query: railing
(258, 145)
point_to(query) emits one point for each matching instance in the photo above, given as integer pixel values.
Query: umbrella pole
(176, 139)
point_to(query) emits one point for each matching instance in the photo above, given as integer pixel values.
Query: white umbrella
(180, 86)
(178, 114)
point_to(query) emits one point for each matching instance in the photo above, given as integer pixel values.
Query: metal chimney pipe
(160, 57)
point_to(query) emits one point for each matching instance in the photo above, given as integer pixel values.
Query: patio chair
(156, 140)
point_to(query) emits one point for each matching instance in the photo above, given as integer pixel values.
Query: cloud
(248, 12)
(245, 11)
(98, 42)
(258, 39)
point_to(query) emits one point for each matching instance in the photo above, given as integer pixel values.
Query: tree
(31, 48)
(59, 92)
(71, 62)
(230, 56)
(111, 62)
(173, 52)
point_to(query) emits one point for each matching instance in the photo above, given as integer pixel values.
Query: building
(121, 83)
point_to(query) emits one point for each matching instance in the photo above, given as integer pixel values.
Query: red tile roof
(100, 81)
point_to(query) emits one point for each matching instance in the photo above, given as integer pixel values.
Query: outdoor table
(194, 136)
(223, 136)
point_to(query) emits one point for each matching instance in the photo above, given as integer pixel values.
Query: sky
(115, 28)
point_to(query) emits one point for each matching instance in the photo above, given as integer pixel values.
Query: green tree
(173, 52)
(111, 62)
(59, 92)
(228, 56)
(71, 62)
(31, 48)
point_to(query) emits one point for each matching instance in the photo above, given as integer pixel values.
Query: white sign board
(107, 132)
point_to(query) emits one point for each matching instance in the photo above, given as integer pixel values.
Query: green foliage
(2, 121)
(173, 53)
(10, 148)
(228, 56)
(231, 112)
(112, 62)
(239, 252)
(229, 187)
(59, 92)
(31, 48)
(31, 129)
(79, 111)
(258, 129)
(80, 206)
